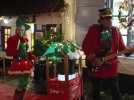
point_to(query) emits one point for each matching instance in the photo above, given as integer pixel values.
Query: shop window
(51, 28)
(123, 17)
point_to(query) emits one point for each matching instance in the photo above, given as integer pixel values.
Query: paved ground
(6, 91)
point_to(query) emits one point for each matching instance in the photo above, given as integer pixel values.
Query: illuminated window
(5, 32)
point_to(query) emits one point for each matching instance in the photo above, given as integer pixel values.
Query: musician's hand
(97, 62)
(127, 54)
(90, 57)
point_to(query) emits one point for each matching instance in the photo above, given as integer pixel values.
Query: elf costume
(17, 46)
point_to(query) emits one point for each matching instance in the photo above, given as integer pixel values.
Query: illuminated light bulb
(6, 21)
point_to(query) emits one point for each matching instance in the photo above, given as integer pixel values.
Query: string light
(5, 19)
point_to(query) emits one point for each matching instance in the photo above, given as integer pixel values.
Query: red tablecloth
(59, 90)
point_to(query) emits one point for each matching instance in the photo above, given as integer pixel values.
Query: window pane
(122, 16)
(125, 39)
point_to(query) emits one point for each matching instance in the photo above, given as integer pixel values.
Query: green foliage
(41, 45)
(57, 49)
(54, 47)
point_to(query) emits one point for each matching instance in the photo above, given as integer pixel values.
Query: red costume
(17, 45)
(12, 44)
(92, 44)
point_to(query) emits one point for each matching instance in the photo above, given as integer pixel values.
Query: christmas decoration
(41, 45)
(54, 49)
(106, 35)
(105, 42)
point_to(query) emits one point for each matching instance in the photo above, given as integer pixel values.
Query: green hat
(105, 12)
(22, 22)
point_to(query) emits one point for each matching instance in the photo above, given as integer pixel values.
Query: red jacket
(91, 45)
(12, 43)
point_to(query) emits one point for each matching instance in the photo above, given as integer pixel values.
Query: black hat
(105, 12)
